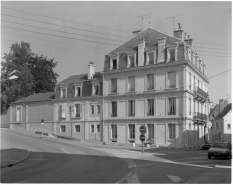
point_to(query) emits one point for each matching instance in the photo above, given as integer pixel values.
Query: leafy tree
(35, 74)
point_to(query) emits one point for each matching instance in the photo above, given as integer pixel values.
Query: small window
(190, 106)
(172, 55)
(114, 131)
(172, 131)
(131, 131)
(171, 79)
(131, 83)
(228, 126)
(63, 93)
(114, 109)
(190, 79)
(18, 114)
(150, 82)
(63, 128)
(114, 64)
(131, 61)
(151, 58)
(96, 90)
(150, 131)
(77, 128)
(131, 108)
(98, 108)
(171, 106)
(150, 110)
(77, 110)
(92, 109)
(78, 91)
(92, 128)
(113, 85)
(98, 128)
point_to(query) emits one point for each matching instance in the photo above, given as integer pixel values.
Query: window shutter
(80, 110)
(72, 111)
(60, 111)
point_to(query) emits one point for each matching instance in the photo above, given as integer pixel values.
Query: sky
(75, 33)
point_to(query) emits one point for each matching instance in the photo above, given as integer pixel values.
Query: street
(55, 160)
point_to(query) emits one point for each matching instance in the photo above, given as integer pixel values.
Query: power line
(60, 36)
(219, 74)
(210, 48)
(55, 41)
(212, 52)
(212, 44)
(62, 31)
(215, 55)
(64, 20)
(64, 26)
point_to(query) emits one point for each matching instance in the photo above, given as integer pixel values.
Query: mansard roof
(149, 35)
(224, 112)
(48, 96)
(79, 78)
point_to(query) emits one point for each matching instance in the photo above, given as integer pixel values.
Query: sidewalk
(13, 156)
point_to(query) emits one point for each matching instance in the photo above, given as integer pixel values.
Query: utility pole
(173, 18)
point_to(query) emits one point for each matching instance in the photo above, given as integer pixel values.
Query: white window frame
(112, 130)
(93, 89)
(147, 84)
(134, 83)
(173, 131)
(133, 133)
(21, 111)
(98, 125)
(111, 86)
(111, 63)
(128, 59)
(169, 87)
(147, 57)
(175, 106)
(76, 90)
(97, 113)
(75, 110)
(92, 113)
(93, 128)
(62, 92)
(61, 128)
(63, 115)
(76, 129)
(168, 53)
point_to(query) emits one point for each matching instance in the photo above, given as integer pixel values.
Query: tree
(35, 74)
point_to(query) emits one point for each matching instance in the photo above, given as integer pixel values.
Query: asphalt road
(55, 160)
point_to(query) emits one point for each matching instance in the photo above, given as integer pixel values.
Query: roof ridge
(167, 34)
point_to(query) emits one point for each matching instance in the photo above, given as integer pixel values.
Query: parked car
(207, 145)
(220, 149)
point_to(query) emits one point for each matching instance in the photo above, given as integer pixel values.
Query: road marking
(219, 166)
(124, 178)
(21, 181)
(174, 178)
(133, 179)
(130, 163)
(37, 159)
(197, 161)
(63, 149)
(202, 166)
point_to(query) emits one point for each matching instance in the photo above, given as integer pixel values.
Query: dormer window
(95, 89)
(171, 54)
(78, 91)
(63, 93)
(114, 64)
(131, 61)
(151, 58)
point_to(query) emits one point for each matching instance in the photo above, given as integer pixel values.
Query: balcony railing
(199, 117)
(200, 94)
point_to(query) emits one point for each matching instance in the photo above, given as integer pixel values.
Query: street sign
(42, 122)
(142, 129)
(142, 137)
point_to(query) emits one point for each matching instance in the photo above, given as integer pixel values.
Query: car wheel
(209, 156)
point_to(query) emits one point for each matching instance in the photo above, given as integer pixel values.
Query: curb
(12, 164)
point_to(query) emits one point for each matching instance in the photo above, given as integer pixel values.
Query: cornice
(79, 99)
(197, 71)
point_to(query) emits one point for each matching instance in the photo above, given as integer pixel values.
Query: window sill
(173, 88)
(149, 91)
(77, 118)
(171, 140)
(131, 92)
(113, 140)
(113, 94)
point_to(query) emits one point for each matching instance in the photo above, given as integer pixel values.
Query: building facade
(153, 79)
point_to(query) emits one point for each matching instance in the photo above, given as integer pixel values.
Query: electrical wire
(212, 44)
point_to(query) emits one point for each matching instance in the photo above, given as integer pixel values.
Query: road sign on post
(42, 123)
(142, 129)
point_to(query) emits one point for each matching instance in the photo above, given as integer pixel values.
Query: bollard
(133, 144)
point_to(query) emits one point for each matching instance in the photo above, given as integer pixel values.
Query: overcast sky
(99, 27)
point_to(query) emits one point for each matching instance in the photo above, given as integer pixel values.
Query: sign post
(142, 137)
(42, 123)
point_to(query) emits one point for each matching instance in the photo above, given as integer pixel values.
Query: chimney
(91, 70)
(161, 49)
(189, 41)
(179, 33)
(225, 103)
(221, 105)
(141, 50)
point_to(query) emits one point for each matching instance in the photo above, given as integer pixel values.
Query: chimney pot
(91, 70)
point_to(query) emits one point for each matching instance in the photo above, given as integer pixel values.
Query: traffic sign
(142, 129)
(42, 122)
(142, 137)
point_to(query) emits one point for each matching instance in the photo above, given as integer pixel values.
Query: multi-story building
(153, 79)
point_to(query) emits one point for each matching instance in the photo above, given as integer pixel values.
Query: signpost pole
(142, 147)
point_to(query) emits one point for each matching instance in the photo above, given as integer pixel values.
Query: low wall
(5, 123)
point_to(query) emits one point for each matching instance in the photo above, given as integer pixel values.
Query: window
(151, 58)
(63, 111)
(171, 106)
(172, 55)
(131, 61)
(190, 80)
(228, 126)
(150, 82)
(150, 110)
(77, 91)
(172, 131)
(63, 92)
(98, 108)
(194, 106)
(216, 125)
(77, 128)
(150, 131)
(131, 83)
(131, 108)
(172, 80)
(114, 131)
(92, 109)
(18, 114)
(190, 106)
(92, 128)
(114, 85)
(131, 131)
(114, 109)
(114, 64)
(194, 82)
(95, 90)
(98, 128)
(77, 110)
(63, 128)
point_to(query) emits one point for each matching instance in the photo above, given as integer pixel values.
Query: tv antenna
(143, 17)
(173, 17)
